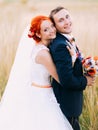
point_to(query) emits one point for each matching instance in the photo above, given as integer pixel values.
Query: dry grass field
(15, 16)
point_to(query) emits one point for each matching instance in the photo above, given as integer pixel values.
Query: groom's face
(63, 22)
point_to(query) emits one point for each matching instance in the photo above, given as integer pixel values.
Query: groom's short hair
(54, 11)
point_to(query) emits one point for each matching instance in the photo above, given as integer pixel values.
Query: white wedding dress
(27, 107)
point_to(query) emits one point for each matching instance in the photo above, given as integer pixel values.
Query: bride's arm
(43, 57)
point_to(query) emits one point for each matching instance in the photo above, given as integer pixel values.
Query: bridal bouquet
(90, 66)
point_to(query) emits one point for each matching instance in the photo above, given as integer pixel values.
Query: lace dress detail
(40, 74)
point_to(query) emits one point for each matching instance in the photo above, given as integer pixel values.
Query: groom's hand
(90, 80)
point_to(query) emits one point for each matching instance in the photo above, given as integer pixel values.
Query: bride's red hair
(35, 27)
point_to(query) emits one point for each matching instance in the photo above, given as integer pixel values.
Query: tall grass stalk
(89, 117)
(14, 17)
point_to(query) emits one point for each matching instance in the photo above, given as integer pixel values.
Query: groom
(70, 93)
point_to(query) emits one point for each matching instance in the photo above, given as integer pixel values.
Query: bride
(28, 102)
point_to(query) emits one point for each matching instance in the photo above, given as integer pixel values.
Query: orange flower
(90, 66)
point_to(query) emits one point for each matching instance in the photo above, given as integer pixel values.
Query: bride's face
(47, 30)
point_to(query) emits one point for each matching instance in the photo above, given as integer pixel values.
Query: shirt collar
(68, 36)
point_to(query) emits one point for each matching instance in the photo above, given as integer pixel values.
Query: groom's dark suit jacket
(70, 93)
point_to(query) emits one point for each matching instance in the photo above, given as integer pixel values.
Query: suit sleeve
(65, 72)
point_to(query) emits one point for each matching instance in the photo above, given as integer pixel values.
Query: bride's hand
(72, 52)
